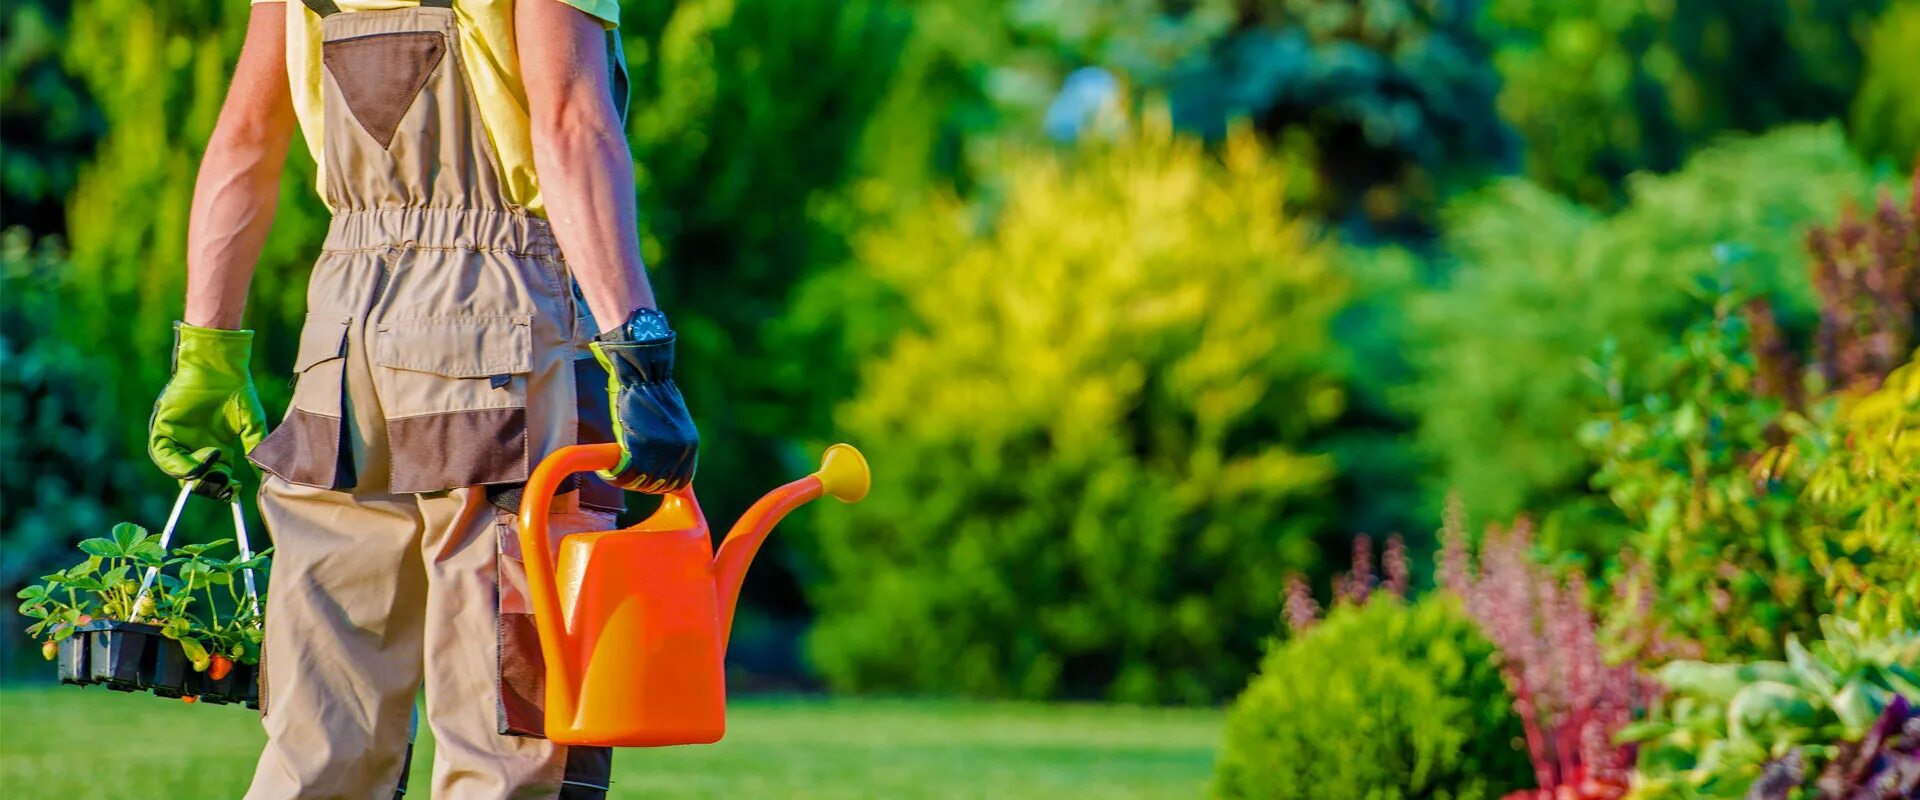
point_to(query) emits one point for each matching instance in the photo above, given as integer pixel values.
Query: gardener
(464, 146)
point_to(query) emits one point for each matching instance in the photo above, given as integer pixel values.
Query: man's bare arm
(580, 151)
(239, 185)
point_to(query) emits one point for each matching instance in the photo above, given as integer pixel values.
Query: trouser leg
(471, 555)
(342, 656)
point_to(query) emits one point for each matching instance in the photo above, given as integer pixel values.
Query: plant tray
(135, 657)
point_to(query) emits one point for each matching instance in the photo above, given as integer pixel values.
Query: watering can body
(634, 623)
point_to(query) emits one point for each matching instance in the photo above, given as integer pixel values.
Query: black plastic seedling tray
(135, 657)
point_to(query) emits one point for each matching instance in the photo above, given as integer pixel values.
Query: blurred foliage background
(1137, 307)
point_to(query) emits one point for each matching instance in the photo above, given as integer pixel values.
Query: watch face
(649, 325)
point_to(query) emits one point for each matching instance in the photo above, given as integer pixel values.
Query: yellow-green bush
(1087, 440)
(1383, 701)
(1861, 467)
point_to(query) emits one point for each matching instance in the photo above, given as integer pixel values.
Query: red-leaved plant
(1569, 699)
(1866, 269)
(1355, 587)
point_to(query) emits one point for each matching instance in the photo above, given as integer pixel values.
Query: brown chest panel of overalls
(465, 321)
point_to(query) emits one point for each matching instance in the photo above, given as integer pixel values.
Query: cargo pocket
(454, 390)
(306, 449)
(521, 669)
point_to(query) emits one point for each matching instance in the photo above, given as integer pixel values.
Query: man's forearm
(580, 152)
(233, 208)
(239, 183)
(587, 177)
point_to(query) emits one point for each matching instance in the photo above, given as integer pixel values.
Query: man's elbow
(576, 125)
(251, 133)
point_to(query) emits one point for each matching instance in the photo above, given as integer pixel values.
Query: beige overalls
(442, 356)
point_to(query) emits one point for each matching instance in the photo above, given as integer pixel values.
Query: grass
(65, 742)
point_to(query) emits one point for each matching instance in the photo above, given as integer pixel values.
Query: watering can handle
(536, 550)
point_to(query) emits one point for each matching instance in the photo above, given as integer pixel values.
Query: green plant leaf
(104, 548)
(1858, 704)
(126, 534)
(1720, 682)
(1785, 711)
(116, 575)
(1813, 674)
(1642, 731)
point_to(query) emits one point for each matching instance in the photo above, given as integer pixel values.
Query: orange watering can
(633, 623)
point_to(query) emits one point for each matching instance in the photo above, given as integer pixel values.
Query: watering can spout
(634, 623)
(843, 475)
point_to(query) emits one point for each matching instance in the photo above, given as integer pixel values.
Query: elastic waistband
(441, 229)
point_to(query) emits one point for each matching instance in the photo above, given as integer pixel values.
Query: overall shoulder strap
(328, 8)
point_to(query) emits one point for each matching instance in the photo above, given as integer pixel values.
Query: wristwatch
(646, 326)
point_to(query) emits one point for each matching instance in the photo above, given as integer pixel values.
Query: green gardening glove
(207, 408)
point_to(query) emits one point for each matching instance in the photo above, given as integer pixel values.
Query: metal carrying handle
(166, 536)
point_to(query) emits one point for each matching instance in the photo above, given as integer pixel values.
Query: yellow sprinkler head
(843, 473)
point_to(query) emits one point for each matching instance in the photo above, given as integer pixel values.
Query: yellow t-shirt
(492, 60)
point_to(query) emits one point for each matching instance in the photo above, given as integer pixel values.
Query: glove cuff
(648, 363)
(215, 350)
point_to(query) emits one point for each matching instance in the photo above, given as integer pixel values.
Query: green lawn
(65, 742)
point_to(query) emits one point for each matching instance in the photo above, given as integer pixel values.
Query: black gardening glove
(658, 443)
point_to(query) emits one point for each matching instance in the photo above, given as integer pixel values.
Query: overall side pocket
(520, 669)
(305, 448)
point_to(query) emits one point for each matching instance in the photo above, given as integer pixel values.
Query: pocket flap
(457, 347)
(323, 338)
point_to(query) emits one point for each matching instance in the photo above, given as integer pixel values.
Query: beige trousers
(372, 594)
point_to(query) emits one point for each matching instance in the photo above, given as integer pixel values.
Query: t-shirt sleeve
(607, 11)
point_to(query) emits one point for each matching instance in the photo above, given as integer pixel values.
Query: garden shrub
(1537, 288)
(64, 473)
(1859, 463)
(1730, 564)
(1855, 456)
(1741, 544)
(1600, 89)
(47, 122)
(1091, 431)
(1388, 98)
(1866, 270)
(1885, 121)
(745, 118)
(1380, 701)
